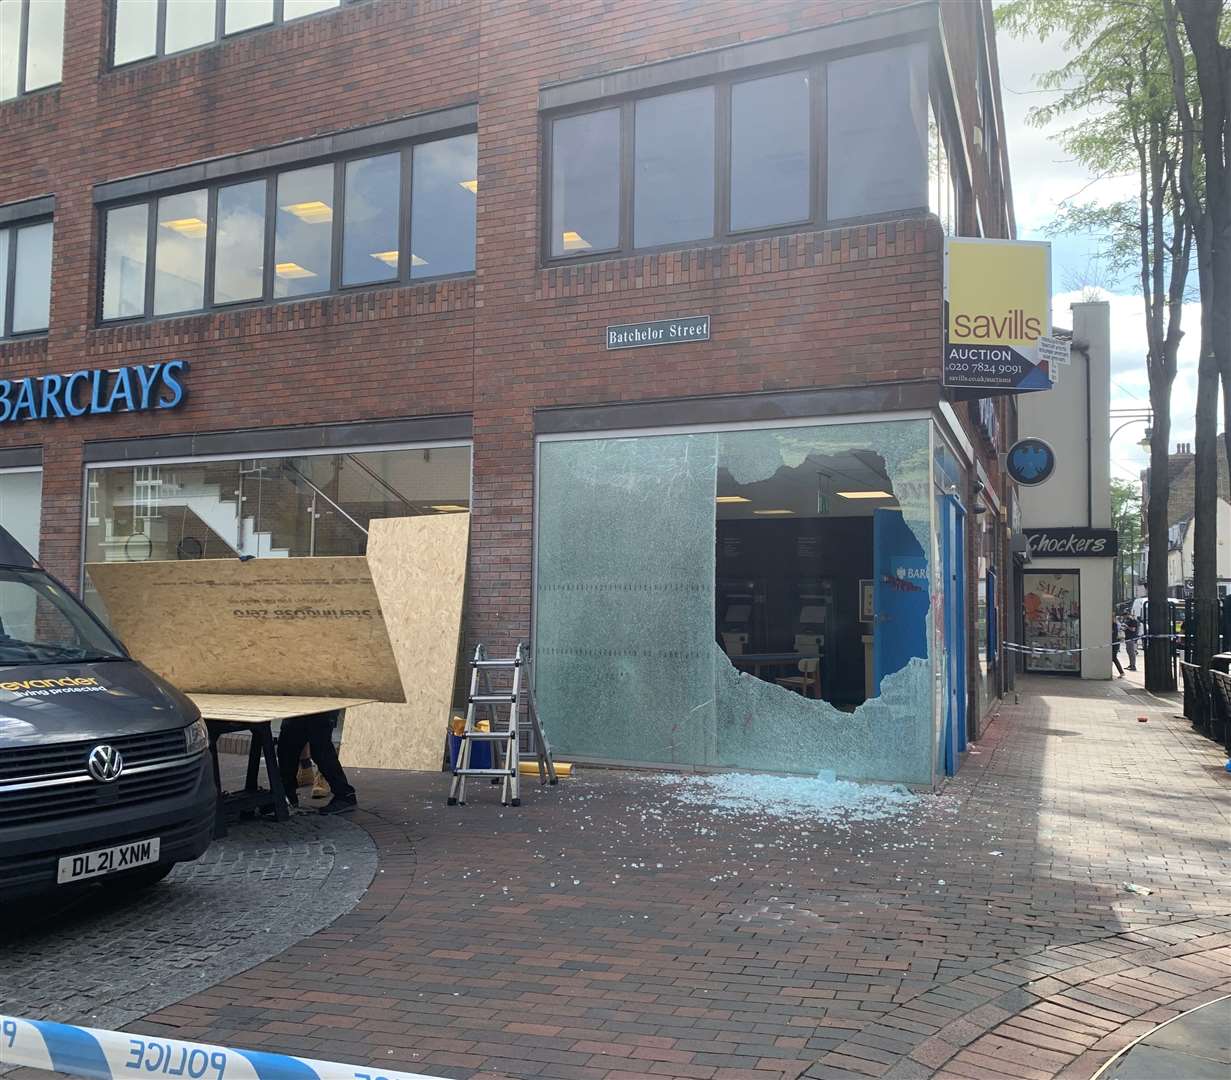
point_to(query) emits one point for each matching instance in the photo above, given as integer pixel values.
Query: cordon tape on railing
(1039, 650)
(110, 1055)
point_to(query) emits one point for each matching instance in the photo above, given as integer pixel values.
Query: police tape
(109, 1055)
(1039, 650)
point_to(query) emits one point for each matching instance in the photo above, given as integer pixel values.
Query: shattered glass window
(754, 599)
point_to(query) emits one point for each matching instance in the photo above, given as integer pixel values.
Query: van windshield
(42, 624)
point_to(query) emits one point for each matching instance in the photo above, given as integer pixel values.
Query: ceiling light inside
(192, 227)
(731, 499)
(470, 185)
(773, 513)
(864, 494)
(314, 212)
(292, 270)
(416, 261)
(450, 508)
(573, 241)
(389, 258)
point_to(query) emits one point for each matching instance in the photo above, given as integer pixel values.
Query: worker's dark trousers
(317, 733)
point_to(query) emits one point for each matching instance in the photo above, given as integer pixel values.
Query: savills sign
(1078, 543)
(135, 388)
(997, 308)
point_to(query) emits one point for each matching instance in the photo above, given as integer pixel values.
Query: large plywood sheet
(419, 567)
(309, 627)
(257, 708)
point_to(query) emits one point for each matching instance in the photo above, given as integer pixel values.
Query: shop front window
(1051, 604)
(754, 599)
(276, 507)
(986, 611)
(23, 610)
(21, 505)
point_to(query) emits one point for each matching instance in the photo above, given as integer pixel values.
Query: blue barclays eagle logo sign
(1031, 461)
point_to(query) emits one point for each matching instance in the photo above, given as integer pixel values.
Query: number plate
(91, 864)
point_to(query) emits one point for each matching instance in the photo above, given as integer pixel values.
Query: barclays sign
(134, 388)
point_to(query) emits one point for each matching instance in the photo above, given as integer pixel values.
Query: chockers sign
(997, 307)
(1073, 543)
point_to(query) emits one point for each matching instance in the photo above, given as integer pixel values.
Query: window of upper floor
(145, 28)
(944, 179)
(31, 45)
(392, 215)
(842, 140)
(25, 274)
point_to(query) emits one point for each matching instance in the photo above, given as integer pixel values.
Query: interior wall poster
(867, 604)
(1052, 607)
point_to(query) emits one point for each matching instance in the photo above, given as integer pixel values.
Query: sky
(1043, 177)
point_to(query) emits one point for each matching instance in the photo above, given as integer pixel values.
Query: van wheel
(136, 880)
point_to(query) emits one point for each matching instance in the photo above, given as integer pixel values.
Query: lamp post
(1127, 418)
(1134, 416)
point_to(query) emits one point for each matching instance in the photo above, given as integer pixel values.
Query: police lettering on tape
(109, 1055)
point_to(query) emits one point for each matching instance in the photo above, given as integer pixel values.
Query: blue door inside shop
(901, 595)
(953, 554)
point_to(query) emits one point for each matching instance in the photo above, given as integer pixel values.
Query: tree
(1126, 520)
(1205, 197)
(1117, 86)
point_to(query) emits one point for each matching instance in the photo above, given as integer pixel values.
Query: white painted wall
(1074, 419)
(1180, 563)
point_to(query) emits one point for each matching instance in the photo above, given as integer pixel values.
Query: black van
(104, 774)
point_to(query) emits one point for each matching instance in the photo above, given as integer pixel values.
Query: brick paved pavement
(602, 931)
(104, 960)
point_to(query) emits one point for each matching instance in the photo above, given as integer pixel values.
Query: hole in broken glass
(796, 559)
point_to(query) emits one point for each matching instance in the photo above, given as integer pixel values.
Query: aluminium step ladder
(504, 736)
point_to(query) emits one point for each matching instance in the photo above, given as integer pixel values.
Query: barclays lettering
(134, 388)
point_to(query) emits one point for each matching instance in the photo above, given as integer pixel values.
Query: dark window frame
(220, 32)
(8, 280)
(815, 65)
(23, 49)
(338, 163)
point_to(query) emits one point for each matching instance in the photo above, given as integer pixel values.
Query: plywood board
(419, 567)
(257, 708)
(309, 627)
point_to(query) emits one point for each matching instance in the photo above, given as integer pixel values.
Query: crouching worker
(317, 733)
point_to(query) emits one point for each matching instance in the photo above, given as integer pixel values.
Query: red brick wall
(806, 310)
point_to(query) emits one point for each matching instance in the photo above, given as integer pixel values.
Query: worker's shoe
(340, 804)
(320, 789)
(305, 776)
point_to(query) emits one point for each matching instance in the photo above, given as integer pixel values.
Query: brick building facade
(828, 320)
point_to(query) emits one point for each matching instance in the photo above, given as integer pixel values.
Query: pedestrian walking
(317, 733)
(1132, 635)
(1115, 645)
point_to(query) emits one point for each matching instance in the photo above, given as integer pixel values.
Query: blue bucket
(480, 753)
